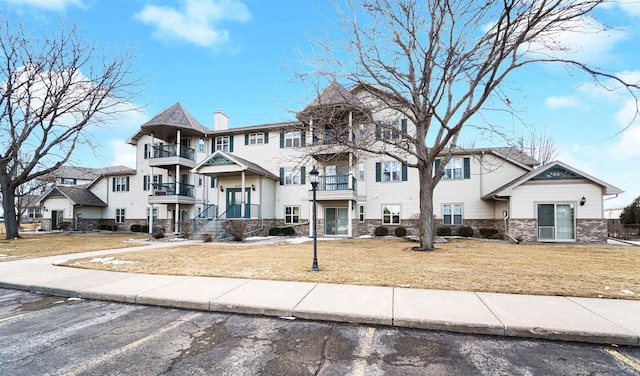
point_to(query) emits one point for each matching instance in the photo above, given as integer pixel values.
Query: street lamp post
(313, 178)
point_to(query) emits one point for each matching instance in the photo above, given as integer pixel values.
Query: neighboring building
(186, 173)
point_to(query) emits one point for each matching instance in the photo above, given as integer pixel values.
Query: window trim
(392, 214)
(224, 141)
(452, 214)
(291, 137)
(256, 139)
(293, 217)
(391, 171)
(123, 214)
(361, 212)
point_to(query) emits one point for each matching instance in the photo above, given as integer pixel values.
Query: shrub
(381, 231)
(400, 232)
(207, 238)
(488, 232)
(158, 234)
(236, 229)
(465, 231)
(135, 228)
(275, 231)
(443, 231)
(288, 231)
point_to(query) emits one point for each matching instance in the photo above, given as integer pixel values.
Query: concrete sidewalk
(605, 321)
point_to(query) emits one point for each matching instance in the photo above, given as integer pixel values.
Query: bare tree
(541, 147)
(53, 87)
(437, 63)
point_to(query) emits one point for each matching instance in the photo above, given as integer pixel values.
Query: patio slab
(553, 317)
(348, 303)
(455, 311)
(190, 293)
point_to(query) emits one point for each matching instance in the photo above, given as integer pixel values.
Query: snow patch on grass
(111, 261)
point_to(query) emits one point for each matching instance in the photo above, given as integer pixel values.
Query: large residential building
(187, 174)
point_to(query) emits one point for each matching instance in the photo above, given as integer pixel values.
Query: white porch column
(243, 194)
(148, 156)
(350, 220)
(178, 146)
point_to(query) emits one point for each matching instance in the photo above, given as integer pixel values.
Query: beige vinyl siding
(526, 196)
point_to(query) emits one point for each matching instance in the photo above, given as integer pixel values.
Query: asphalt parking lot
(48, 335)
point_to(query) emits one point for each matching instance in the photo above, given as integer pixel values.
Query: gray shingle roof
(507, 152)
(87, 173)
(165, 124)
(334, 95)
(80, 196)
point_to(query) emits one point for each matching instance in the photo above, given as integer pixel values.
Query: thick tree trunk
(426, 208)
(9, 205)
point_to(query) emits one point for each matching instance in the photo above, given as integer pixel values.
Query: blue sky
(239, 56)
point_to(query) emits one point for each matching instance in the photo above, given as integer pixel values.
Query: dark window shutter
(467, 168)
(246, 139)
(146, 151)
(378, 132)
(213, 182)
(437, 165)
(113, 184)
(303, 138)
(403, 127)
(404, 172)
(145, 182)
(281, 175)
(281, 140)
(231, 143)
(378, 172)
(266, 137)
(159, 179)
(127, 187)
(303, 175)
(213, 145)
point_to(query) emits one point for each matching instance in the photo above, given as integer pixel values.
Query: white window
(120, 184)
(256, 138)
(120, 215)
(68, 181)
(452, 214)
(361, 212)
(361, 131)
(155, 214)
(34, 213)
(453, 169)
(147, 184)
(222, 143)
(389, 131)
(201, 144)
(361, 171)
(391, 171)
(391, 214)
(291, 214)
(291, 176)
(292, 139)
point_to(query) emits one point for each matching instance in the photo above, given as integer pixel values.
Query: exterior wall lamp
(253, 187)
(313, 179)
(583, 201)
(221, 189)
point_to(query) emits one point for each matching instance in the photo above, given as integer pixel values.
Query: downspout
(506, 217)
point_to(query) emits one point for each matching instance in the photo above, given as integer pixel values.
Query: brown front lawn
(465, 265)
(42, 245)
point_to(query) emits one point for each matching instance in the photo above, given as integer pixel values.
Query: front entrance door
(336, 221)
(556, 222)
(57, 217)
(234, 203)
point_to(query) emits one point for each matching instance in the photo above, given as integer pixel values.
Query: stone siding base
(587, 230)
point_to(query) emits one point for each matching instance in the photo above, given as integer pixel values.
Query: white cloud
(562, 102)
(55, 5)
(585, 39)
(631, 7)
(197, 21)
(123, 153)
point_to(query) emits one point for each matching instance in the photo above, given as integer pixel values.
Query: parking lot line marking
(365, 348)
(13, 317)
(132, 345)
(623, 359)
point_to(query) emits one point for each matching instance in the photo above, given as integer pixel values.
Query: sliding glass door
(556, 222)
